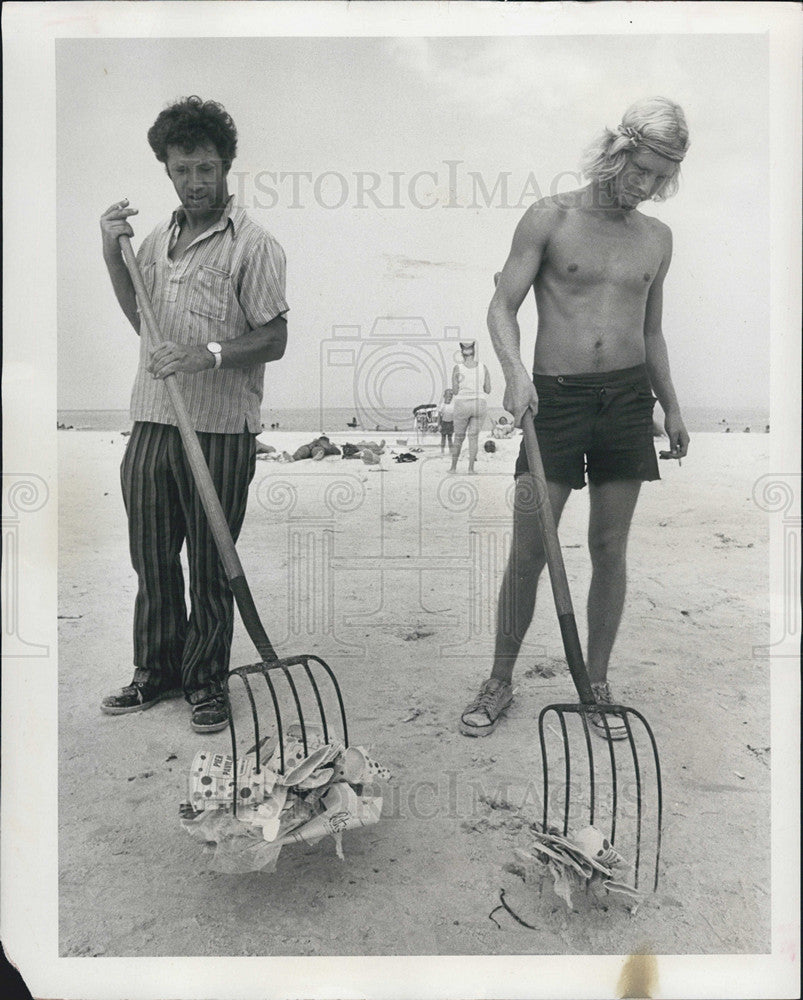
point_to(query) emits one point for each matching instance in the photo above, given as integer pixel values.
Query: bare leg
(473, 448)
(456, 447)
(527, 559)
(612, 506)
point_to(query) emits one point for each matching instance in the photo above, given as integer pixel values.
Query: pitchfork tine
(278, 711)
(317, 694)
(233, 747)
(300, 711)
(544, 762)
(250, 694)
(637, 772)
(614, 786)
(590, 751)
(338, 695)
(660, 796)
(567, 772)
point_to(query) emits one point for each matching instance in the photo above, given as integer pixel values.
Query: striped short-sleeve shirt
(230, 280)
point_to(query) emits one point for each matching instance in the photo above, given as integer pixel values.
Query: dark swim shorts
(599, 422)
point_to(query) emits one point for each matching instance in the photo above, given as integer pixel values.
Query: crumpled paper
(584, 857)
(321, 791)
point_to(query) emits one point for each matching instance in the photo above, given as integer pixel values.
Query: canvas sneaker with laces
(616, 729)
(481, 716)
(138, 696)
(210, 715)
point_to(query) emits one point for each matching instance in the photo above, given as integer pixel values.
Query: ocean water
(699, 419)
(93, 420)
(313, 419)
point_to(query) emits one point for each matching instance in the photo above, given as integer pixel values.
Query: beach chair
(426, 421)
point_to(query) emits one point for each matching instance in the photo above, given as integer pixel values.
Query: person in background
(446, 419)
(317, 449)
(471, 385)
(503, 428)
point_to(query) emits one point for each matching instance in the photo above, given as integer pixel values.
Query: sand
(391, 576)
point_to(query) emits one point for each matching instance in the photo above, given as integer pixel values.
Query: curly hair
(193, 122)
(657, 124)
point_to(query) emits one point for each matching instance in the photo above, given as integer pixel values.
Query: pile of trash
(580, 860)
(322, 790)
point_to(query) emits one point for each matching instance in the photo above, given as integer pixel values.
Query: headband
(636, 138)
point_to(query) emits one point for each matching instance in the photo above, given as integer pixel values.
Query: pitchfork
(283, 686)
(588, 703)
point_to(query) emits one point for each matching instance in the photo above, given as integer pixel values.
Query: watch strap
(217, 355)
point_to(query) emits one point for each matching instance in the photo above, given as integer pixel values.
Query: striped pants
(164, 511)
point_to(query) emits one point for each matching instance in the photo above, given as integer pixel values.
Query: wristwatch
(214, 348)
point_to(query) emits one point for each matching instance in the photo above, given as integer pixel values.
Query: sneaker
(137, 697)
(210, 716)
(616, 728)
(482, 715)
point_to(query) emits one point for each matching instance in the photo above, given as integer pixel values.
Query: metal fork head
(634, 723)
(298, 683)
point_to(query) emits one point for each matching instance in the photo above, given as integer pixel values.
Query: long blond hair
(657, 124)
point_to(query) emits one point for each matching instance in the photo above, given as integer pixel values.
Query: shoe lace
(488, 697)
(213, 701)
(602, 692)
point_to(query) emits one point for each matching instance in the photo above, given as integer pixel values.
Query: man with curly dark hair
(192, 123)
(217, 283)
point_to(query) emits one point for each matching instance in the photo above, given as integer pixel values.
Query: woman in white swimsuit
(471, 385)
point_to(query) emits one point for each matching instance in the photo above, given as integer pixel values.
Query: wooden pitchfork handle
(200, 471)
(554, 558)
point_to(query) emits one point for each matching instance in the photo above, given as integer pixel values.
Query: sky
(393, 172)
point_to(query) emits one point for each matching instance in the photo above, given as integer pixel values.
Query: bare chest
(585, 255)
(183, 241)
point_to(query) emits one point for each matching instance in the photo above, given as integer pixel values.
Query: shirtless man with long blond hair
(597, 268)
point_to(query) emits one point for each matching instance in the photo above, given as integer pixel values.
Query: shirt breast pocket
(209, 293)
